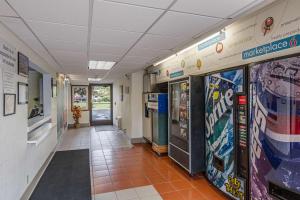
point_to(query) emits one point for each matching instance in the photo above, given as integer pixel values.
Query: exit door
(101, 104)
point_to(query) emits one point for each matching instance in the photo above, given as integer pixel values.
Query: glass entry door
(101, 104)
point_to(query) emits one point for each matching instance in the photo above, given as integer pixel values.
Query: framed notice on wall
(22, 93)
(9, 104)
(23, 64)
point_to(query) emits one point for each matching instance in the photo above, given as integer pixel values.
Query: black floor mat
(66, 178)
(105, 128)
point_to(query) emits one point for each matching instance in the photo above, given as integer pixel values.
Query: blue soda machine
(158, 105)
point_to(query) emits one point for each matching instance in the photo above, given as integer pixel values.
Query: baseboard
(37, 178)
(81, 125)
(137, 140)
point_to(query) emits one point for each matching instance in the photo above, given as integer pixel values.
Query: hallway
(121, 172)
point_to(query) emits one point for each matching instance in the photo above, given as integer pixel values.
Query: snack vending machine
(226, 131)
(186, 123)
(275, 129)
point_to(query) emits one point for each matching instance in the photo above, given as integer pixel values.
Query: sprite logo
(224, 103)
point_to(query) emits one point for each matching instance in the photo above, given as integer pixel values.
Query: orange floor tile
(117, 169)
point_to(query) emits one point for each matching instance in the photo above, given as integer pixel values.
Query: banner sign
(275, 46)
(176, 74)
(211, 41)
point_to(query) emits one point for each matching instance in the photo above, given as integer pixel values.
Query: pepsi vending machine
(275, 129)
(226, 131)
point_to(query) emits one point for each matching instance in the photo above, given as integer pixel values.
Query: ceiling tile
(105, 57)
(5, 10)
(125, 65)
(217, 8)
(63, 32)
(65, 46)
(159, 42)
(56, 11)
(182, 25)
(116, 16)
(114, 37)
(152, 53)
(153, 3)
(136, 60)
(68, 57)
(107, 49)
(19, 28)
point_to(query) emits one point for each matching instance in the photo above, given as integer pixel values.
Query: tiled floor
(118, 166)
(137, 193)
(75, 139)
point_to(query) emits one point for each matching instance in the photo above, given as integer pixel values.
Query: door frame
(102, 122)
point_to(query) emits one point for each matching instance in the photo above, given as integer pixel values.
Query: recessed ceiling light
(94, 79)
(104, 65)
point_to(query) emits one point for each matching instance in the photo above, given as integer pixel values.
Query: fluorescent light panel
(188, 48)
(104, 65)
(94, 79)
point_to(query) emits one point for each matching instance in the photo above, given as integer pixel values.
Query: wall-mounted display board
(9, 104)
(79, 97)
(22, 93)
(271, 32)
(23, 64)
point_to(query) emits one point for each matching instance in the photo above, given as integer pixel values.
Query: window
(80, 96)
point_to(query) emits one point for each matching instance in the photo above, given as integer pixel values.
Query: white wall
(122, 108)
(20, 161)
(131, 108)
(137, 100)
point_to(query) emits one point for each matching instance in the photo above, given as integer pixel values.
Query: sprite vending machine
(275, 129)
(226, 132)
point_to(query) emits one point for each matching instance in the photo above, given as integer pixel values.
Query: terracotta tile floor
(115, 169)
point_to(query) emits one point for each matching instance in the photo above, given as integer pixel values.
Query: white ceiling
(133, 33)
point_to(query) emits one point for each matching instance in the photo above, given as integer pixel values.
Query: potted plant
(76, 115)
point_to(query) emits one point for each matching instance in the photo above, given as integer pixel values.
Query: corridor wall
(20, 161)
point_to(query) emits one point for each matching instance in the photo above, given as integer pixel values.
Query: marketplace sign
(279, 45)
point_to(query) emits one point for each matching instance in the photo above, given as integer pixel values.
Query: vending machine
(186, 123)
(226, 131)
(275, 129)
(158, 106)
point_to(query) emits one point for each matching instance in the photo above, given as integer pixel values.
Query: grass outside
(96, 105)
(83, 105)
(102, 105)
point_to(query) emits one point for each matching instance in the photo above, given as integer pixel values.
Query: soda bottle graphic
(275, 126)
(220, 89)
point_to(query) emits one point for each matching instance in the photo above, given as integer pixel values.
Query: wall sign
(212, 41)
(275, 46)
(8, 56)
(176, 74)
